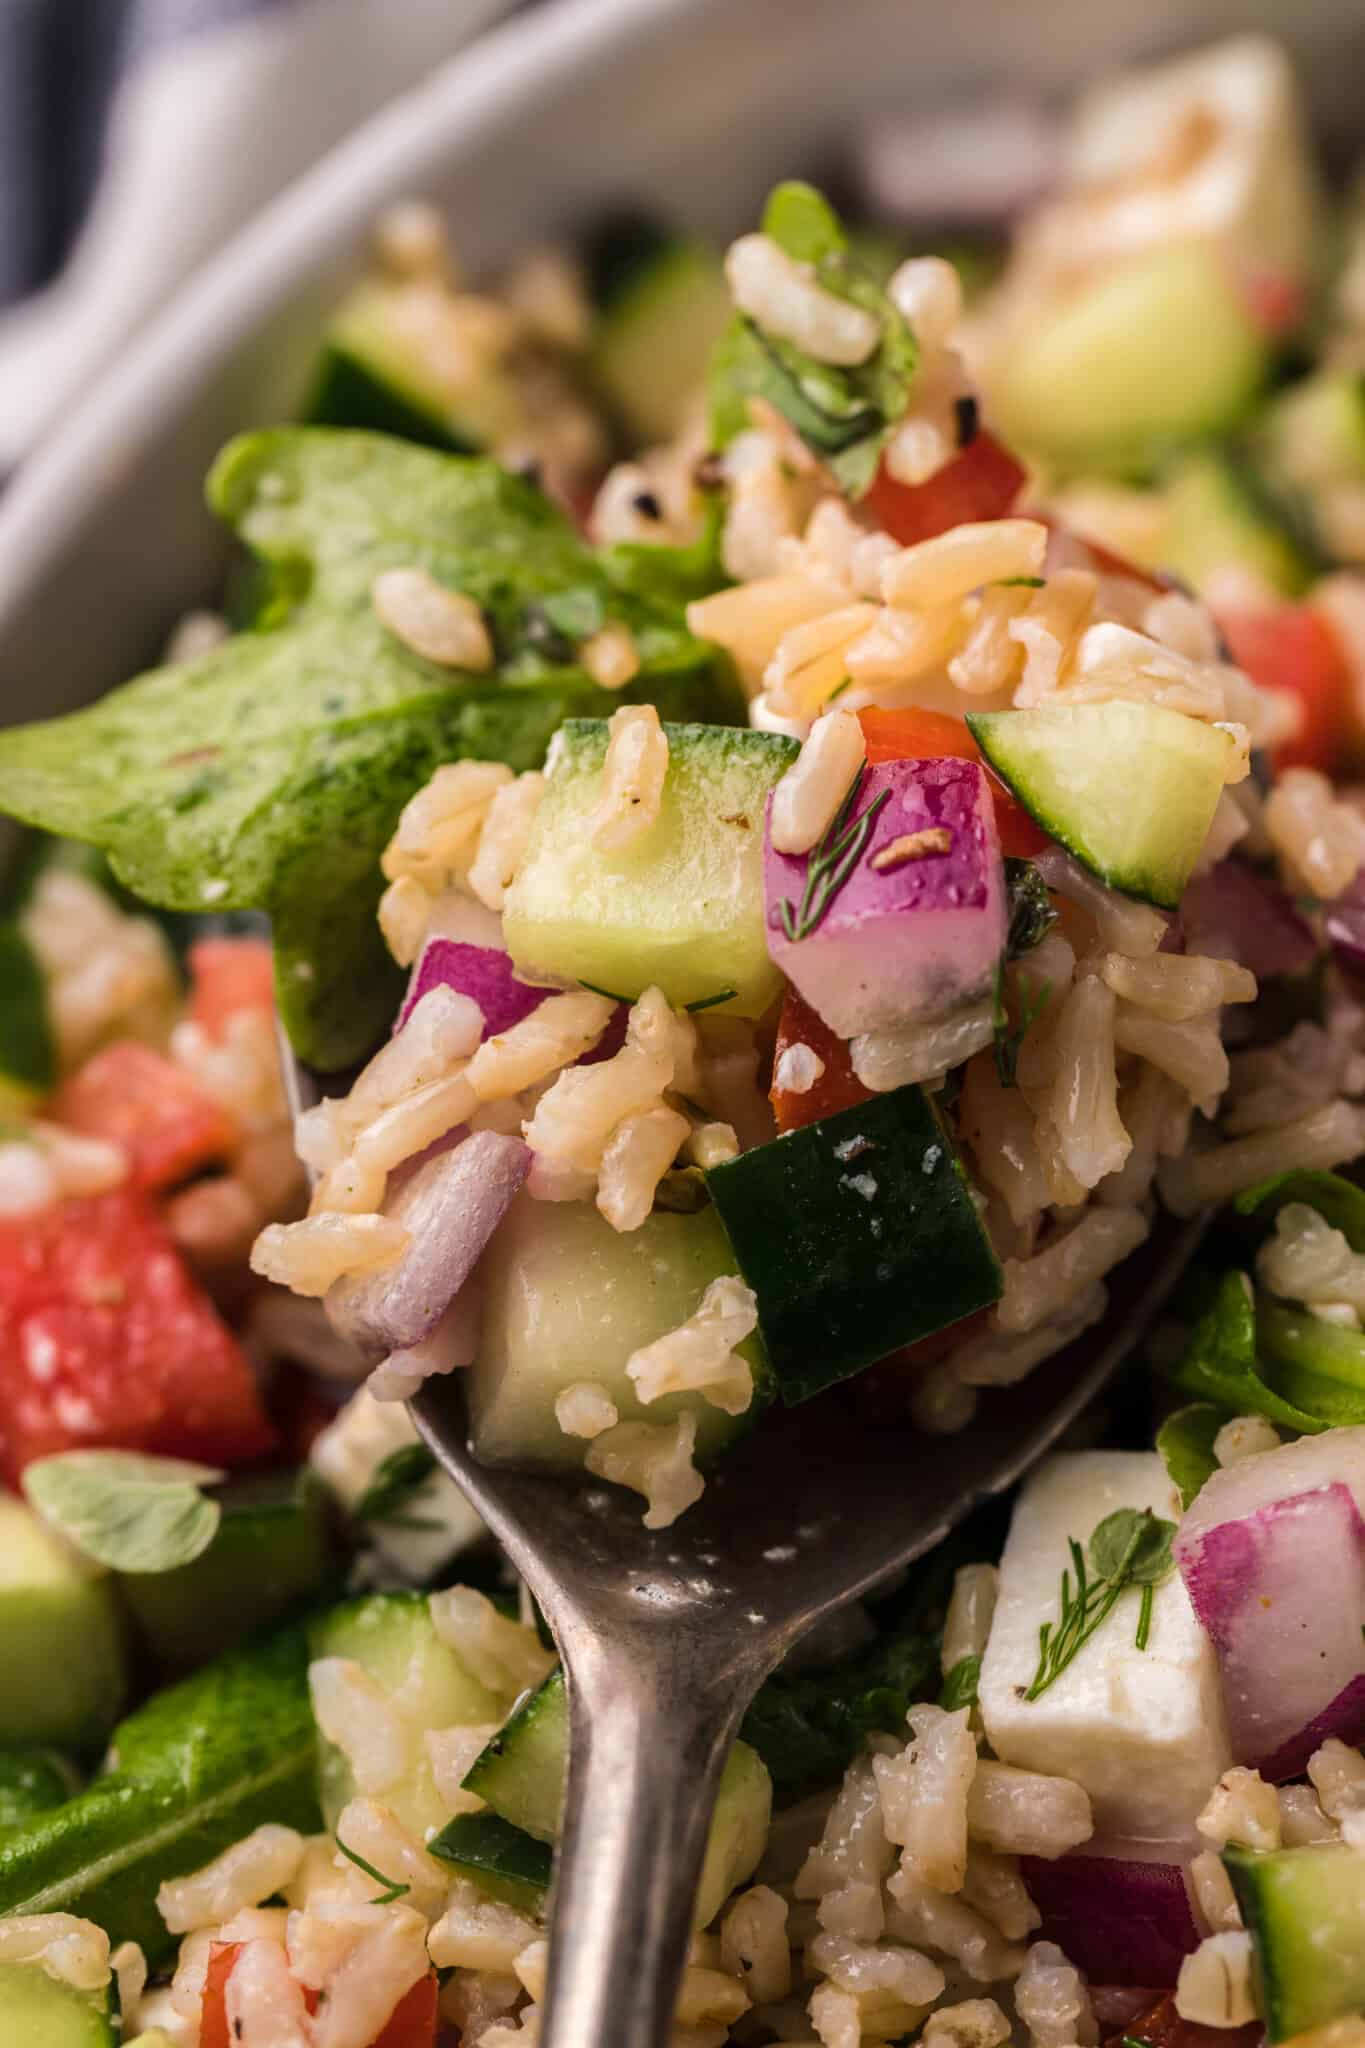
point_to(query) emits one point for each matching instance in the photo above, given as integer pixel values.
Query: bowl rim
(230, 297)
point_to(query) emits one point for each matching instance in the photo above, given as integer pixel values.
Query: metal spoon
(666, 1636)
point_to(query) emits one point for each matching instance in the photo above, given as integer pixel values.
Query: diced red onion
(1343, 1717)
(1126, 1920)
(452, 1344)
(481, 972)
(1235, 911)
(1344, 924)
(450, 1207)
(1272, 1552)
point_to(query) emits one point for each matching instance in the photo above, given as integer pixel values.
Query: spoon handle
(646, 1753)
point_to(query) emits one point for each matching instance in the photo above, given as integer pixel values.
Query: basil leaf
(1219, 1362)
(960, 1686)
(125, 1509)
(1185, 1441)
(269, 773)
(802, 221)
(809, 1727)
(1133, 1545)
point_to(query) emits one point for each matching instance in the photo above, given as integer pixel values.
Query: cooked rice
(371, 1832)
(1302, 1820)
(883, 1060)
(555, 1034)
(797, 1069)
(754, 1945)
(504, 838)
(1082, 1108)
(1214, 1986)
(1319, 838)
(504, 1655)
(311, 1255)
(927, 293)
(353, 1711)
(635, 1159)
(1044, 1286)
(700, 1355)
(783, 297)
(632, 778)
(247, 1873)
(1214, 1898)
(440, 624)
(585, 1409)
(611, 656)
(1243, 1808)
(1326, 1137)
(575, 1118)
(807, 799)
(452, 1753)
(924, 1792)
(1177, 986)
(967, 1623)
(948, 568)
(479, 1933)
(1051, 1999)
(653, 1459)
(404, 914)
(1245, 1436)
(263, 2002)
(71, 1950)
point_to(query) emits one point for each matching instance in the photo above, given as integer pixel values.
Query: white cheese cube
(1142, 1730)
(346, 1456)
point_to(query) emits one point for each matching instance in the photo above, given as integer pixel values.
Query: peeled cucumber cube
(567, 1298)
(1129, 788)
(682, 908)
(393, 1638)
(38, 2011)
(1218, 516)
(61, 1639)
(521, 1776)
(1159, 349)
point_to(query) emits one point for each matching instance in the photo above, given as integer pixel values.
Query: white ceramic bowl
(697, 104)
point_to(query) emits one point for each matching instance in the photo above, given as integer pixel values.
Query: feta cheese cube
(347, 1455)
(1142, 1730)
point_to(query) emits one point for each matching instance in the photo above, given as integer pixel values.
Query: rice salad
(798, 803)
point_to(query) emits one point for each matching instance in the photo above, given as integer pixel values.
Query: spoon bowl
(666, 1635)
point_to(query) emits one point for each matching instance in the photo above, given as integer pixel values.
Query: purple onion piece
(481, 972)
(450, 1207)
(1344, 1717)
(1344, 925)
(1234, 909)
(1119, 1919)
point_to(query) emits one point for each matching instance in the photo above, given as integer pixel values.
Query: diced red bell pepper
(1163, 2027)
(837, 1088)
(106, 1339)
(1292, 648)
(412, 2023)
(982, 482)
(139, 1100)
(228, 975)
(913, 735)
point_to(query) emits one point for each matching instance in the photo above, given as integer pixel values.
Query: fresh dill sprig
(1128, 1549)
(392, 1889)
(1009, 1038)
(394, 1483)
(832, 860)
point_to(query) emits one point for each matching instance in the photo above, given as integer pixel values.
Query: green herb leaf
(960, 1686)
(393, 1485)
(1134, 1544)
(577, 614)
(392, 1889)
(1185, 1441)
(1009, 1038)
(845, 415)
(27, 1051)
(808, 1727)
(831, 862)
(1129, 1549)
(1337, 1200)
(1031, 912)
(269, 773)
(125, 1509)
(722, 995)
(1220, 1363)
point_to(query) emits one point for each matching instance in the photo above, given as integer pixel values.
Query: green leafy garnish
(392, 1889)
(1185, 1441)
(126, 1509)
(269, 773)
(845, 415)
(28, 1056)
(1031, 912)
(394, 1483)
(1337, 1200)
(577, 614)
(831, 861)
(960, 1685)
(808, 1727)
(1128, 1549)
(1009, 1037)
(1224, 1356)
(722, 995)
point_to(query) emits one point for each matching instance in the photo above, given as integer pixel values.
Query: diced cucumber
(662, 303)
(521, 1776)
(272, 1552)
(1129, 788)
(1305, 1909)
(1218, 515)
(194, 1770)
(683, 907)
(32, 1781)
(38, 2011)
(565, 1298)
(501, 1860)
(431, 1521)
(1313, 433)
(1159, 349)
(858, 1234)
(375, 373)
(28, 1056)
(391, 1636)
(61, 1639)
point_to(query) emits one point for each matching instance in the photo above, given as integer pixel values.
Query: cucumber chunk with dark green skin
(1305, 1909)
(661, 301)
(372, 375)
(193, 1771)
(37, 2011)
(1219, 513)
(858, 1234)
(272, 1552)
(520, 1775)
(1129, 788)
(501, 1860)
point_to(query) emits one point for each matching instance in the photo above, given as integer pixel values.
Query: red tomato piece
(105, 1338)
(412, 2023)
(228, 975)
(1293, 649)
(837, 1088)
(982, 482)
(1163, 2027)
(911, 735)
(142, 1102)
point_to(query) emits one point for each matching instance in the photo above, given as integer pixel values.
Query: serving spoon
(666, 1635)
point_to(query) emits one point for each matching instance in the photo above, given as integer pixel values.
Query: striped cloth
(136, 135)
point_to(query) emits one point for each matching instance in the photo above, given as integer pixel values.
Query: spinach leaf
(1337, 1200)
(844, 414)
(1220, 1360)
(269, 773)
(1185, 1441)
(198, 1767)
(809, 1727)
(1316, 1366)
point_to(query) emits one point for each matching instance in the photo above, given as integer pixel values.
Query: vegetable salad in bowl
(802, 801)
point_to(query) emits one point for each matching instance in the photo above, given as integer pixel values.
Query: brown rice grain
(442, 625)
